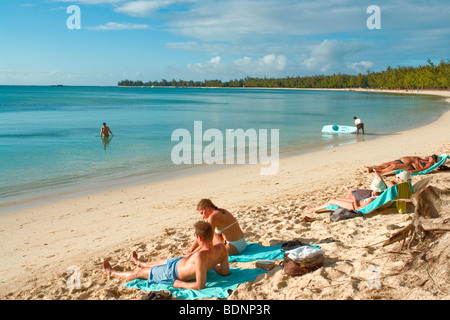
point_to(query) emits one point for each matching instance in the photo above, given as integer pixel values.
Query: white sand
(39, 244)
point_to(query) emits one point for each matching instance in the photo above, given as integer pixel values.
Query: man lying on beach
(358, 198)
(226, 227)
(181, 271)
(411, 164)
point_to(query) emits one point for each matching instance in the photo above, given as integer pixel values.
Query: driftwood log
(430, 202)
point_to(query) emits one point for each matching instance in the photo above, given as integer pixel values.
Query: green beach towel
(255, 251)
(442, 159)
(217, 286)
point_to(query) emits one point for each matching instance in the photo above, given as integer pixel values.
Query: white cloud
(203, 47)
(361, 67)
(284, 27)
(272, 61)
(142, 8)
(215, 60)
(212, 66)
(268, 65)
(283, 37)
(329, 55)
(90, 2)
(237, 19)
(119, 26)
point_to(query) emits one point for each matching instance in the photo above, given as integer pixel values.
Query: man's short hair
(204, 230)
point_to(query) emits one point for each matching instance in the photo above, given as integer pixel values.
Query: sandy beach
(40, 244)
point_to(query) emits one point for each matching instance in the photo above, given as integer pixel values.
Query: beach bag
(343, 214)
(302, 260)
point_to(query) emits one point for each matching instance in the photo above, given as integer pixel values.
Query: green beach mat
(217, 286)
(443, 158)
(255, 251)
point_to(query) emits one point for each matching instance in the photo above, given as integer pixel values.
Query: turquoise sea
(50, 136)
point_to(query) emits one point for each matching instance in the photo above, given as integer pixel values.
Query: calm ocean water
(50, 136)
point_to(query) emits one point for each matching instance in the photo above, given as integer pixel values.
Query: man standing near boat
(359, 125)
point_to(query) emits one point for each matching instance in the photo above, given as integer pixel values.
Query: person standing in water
(359, 125)
(105, 131)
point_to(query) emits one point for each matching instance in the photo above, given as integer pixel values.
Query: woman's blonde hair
(206, 203)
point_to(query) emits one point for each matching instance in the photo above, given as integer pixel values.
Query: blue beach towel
(217, 286)
(255, 251)
(442, 159)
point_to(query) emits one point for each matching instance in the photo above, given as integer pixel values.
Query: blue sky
(213, 39)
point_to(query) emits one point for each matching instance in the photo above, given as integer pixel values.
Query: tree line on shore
(429, 76)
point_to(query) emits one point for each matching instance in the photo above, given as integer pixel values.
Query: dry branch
(429, 203)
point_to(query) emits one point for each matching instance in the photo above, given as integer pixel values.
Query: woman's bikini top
(364, 201)
(220, 231)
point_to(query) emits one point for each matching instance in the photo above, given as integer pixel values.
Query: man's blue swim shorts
(166, 273)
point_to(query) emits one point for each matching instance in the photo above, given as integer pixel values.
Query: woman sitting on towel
(226, 227)
(354, 202)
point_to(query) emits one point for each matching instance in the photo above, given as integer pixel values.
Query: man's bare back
(215, 258)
